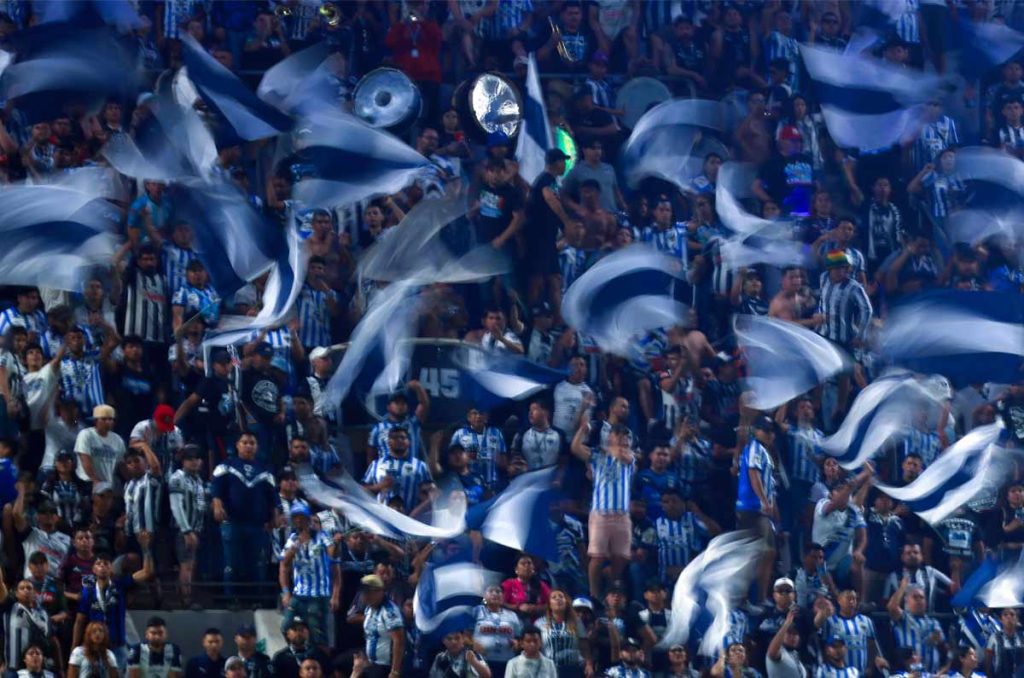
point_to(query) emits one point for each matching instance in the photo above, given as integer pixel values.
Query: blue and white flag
(664, 143)
(878, 415)
(244, 115)
(519, 517)
(54, 236)
(534, 130)
(235, 242)
(784, 360)
(624, 296)
(708, 587)
(977, 47)
(447, 595)
(285, 83)
(868, 104)
(969, 337)
(975, 464)
(352, 160)
(120, 14)
(490, 378)
(341, 492)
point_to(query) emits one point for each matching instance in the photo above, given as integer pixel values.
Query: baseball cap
(584, 602)
(764, 423)
(191, 451)
(371, 581)
(297, 621)
(220, 355)
(836, 258)
(287, 472)
(631, 642)
(319, 352)
(163, 417)
(790, 133)
(497, 138)
(246, 630)
(101, 487)
(832, 640)
(654, 584)
(301, 510)
(264, 349)
(65, 454)
(554, 155)
(618, 586)
(783, 581)
(103, 412)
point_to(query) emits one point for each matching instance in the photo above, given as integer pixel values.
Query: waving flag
(784, 359)
(518, 517)
(977, 47)
(624, 295)
(246, 116)
(868, 104)
(664, 143)
(447, 595)
(353, 161)
(707, 588)
(972, 466)
(534, 132)
(489, 378)
(54, 236)
(969, 337)
(286, 82)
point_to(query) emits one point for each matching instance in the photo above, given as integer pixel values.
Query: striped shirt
(15, 373)
(914, 632)
(945, 192)
(1007, 653)
(670, 241)
(572, 262)
(560, 643)
(81, 381)
(755, 457)
(485, 446)
(21, 626)
(188, 501)
(779, 46)
(924, 443)
(32, 322)
(144, 305)
(847, 311)
(152, 663)
(976, 627)
(177, 13)
(311, 565)
(884, 225)
(858, 632)
(828, 671)
(378, 623)
(379, 436)
(804, 451)
(510, 15)
(195, 300)
(1011, 137)
(694, 465)
(176, 261)
(280, 340)
(613, 480)
(142, 504)
(679, 540)
(934, 138)
(408, 474)
(68, 496)
(314, 316)
(906, 25)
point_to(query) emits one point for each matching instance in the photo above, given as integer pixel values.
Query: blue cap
(497, 138)
(301, 510)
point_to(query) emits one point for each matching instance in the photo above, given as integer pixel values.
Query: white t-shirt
(521, 667)
(568, 401)
(53, 545)
(105, 451)
(86, 668)
(835, 531)
(39, 386)
(58, 437)
(788, 666)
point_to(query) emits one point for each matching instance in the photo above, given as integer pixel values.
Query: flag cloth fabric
(534, 130)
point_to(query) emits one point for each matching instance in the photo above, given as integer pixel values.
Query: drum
(638, 96)
(488, 103)
(387, 98)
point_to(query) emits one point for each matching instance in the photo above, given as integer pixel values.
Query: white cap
(783, 581)
(319, 352)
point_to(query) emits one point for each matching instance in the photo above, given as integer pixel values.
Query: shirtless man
(789, 303)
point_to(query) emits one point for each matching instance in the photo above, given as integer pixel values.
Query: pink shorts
(611, 535)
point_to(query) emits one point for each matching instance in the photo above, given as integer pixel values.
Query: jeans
(245, 553)
(313, 611)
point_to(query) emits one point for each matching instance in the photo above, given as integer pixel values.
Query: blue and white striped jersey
(670, 241)
(176, 261)
(152, 663)
(804, 452)
(195, 300)
(314, 316)
(828, 671)
(916, 633)
(311, 565)
(679, 540)
(945, 193)
(379, 436)
(924, 443)
(571, 263)
(142, 498)
(755, 456)
(33, 322)
(906, 25)
(378, 623)
(80, 380)
(859, 634)
(408, 475)
(613, 480)
(486, 446)
(934, 138)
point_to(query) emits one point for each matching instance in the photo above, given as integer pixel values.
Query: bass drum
(638, 96)
(486, 104)
(388, 99)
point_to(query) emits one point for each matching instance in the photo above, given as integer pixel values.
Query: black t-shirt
(595, 117)
(215, 411)
(790, 181)
(261, 395)
(134, 396)
(496, 208)
(541, 221)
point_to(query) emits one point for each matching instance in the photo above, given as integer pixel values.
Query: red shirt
(517, 594)
(422, 39)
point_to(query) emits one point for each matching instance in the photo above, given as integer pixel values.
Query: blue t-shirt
(8, 477)
(108, 607)
(756, 457)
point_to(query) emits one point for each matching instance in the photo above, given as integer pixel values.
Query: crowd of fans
(138, 469)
